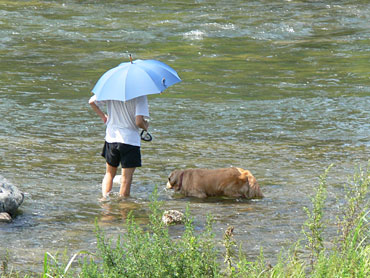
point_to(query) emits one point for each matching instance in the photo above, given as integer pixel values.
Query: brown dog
(201, 183)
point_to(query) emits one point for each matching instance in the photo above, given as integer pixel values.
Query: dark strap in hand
(146, 136)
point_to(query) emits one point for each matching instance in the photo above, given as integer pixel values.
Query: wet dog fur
(202, 183)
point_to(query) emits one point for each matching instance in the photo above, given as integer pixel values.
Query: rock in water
(5, 217)
(173, 217)
(10, 198)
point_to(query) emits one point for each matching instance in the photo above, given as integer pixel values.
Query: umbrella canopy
(133, 79)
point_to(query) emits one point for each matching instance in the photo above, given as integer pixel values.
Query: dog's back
(231, 182)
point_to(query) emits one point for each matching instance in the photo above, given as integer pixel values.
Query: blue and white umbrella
(133, 79)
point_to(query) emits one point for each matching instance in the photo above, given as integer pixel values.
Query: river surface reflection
(280, 88)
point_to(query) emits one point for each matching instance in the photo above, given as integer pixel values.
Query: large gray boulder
(10, 197)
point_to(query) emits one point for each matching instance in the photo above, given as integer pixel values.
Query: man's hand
(141, 122)
(105, 118)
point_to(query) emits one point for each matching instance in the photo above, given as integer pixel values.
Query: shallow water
(280, 88)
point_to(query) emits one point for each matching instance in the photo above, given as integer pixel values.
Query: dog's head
(254, 187)
(175, 180)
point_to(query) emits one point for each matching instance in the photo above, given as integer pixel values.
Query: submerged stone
(10, 198)
(173, 217)
(5, 217)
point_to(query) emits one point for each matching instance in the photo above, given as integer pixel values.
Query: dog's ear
(246, 176)
(243, 175)
(170, 181)
(173, 177)
(254, 187)
(251, 180)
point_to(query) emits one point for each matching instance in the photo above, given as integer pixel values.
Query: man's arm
(96, 108)
(141, 122)
(141, 112)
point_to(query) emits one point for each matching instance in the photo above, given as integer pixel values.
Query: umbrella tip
(130, 58)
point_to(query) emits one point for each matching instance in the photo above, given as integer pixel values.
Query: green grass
(150, 251)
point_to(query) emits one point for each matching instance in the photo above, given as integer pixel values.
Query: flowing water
(280, 88)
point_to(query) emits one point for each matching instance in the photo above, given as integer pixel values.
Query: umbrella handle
(146, 136)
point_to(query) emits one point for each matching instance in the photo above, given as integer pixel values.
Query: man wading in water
(122, 139)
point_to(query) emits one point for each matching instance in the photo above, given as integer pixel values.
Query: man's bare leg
(108, 179)
(127, 174)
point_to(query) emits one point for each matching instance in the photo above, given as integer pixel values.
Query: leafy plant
(355, 210)
(314, 226)
(229, 243)
(149, 251)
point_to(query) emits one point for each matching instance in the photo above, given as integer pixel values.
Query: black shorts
(115, 153)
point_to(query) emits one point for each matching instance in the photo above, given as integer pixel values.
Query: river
(280, 88)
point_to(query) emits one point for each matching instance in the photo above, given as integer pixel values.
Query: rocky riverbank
(10, 200)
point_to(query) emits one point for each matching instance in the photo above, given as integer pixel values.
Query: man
(122, 139)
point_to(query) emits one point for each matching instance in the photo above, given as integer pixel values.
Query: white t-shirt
(121, 124)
